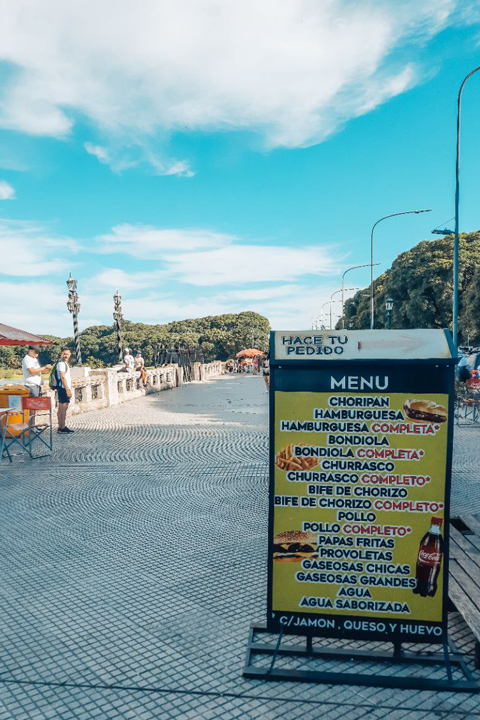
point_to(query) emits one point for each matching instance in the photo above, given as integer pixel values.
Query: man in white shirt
(32, 371)
(64, 389)
(128, 361)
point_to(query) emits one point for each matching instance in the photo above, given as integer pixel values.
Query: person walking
(64, 389)
(32, 371)
(266, 371)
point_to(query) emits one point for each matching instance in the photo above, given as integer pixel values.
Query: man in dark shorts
(64, 389)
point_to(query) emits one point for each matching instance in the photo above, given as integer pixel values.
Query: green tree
(420, 283)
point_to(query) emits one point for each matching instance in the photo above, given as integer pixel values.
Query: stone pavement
(133, 564)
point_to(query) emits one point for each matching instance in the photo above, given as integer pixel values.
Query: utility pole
(457, 213)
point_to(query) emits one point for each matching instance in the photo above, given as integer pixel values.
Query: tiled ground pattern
(133, 564)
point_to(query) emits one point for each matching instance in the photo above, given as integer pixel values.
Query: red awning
(14, 336)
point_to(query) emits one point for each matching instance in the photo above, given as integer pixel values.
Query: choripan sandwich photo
(425, 410)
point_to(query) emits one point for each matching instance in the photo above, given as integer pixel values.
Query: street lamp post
(331, 302)
(118, 317)
(342, 290)
(355, 267)
(389, 309)
(73, 306)
(457, 214)
(321, 314)
(372, 294)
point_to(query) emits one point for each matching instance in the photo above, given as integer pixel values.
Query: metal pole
(372, 295)
(457, 213)
(74, 306)
(118, 317)
(321, 313)
(355, 267)
(342, 290)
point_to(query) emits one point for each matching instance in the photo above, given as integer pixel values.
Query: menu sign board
(359, 493)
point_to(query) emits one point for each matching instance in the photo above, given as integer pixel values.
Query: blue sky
(223, 156)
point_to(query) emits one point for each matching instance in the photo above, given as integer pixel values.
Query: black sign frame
(294, 375)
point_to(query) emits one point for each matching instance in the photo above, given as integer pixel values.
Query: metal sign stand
(450, 658)
(410, 364)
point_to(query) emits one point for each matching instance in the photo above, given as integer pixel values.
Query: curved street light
(372, 293)
(342, 290)
(321, 313)
(354, 267)
(457, 206)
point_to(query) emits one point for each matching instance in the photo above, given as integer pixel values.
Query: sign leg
(447, 659)
(277, 648)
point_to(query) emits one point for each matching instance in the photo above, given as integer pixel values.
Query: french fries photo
(286, 460)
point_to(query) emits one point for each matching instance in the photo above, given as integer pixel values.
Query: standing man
(64, 389)
(32, 371)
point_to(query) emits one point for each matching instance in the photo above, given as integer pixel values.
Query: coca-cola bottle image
(429, 559)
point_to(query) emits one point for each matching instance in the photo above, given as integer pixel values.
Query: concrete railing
(96, 389)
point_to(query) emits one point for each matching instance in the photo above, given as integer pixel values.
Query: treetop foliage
(420, 283)
(217, 336)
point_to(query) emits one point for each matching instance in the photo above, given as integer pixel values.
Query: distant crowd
(256, 365)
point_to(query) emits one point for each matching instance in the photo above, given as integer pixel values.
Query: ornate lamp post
(73, 306)
(389, 309)
(118, 317)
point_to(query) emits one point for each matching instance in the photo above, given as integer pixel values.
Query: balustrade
(109, 386)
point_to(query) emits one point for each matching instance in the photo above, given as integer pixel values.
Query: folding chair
(26, 433)
(3, 424)
(42, 431)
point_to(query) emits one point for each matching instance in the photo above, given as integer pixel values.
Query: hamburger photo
(425, 410)
(294, 545)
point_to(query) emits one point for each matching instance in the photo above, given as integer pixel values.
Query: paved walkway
(132, 565)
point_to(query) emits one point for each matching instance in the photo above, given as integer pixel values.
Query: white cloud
(114, 278)
(150, 243)
(293, 71)
(264, 293)
(241, 263)
(123, 157)
(206, 258)
(294, 309)
(7, 192)
(27, 250)
(98, 151)
(35, 307)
